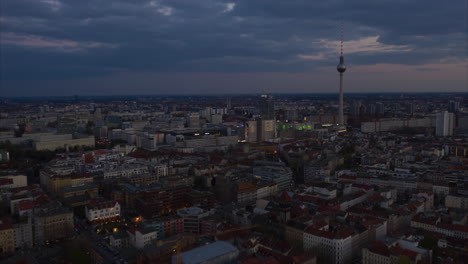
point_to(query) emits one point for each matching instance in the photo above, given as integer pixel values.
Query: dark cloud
(69, 39)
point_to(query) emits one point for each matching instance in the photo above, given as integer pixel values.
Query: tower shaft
(340, 107)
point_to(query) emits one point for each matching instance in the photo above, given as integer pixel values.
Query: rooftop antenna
(341, 37)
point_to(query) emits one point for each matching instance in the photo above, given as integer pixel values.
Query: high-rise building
(380, 108)
(371, 109)
(396, 108)
(228, 103)
(268, 129)
(355, 109)
(257, 131)
(454, 106)
(444, 124)
(409, 108)
(266, 106)
(193, 120)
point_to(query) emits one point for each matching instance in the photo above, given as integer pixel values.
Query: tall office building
(380, 108)
(193, 120)
(266, 106)
(371, 109)
(444, 124)
(409, 108)
(454, 106)
(266, 130)
(257, 131)
(356, 108)
(228, 103)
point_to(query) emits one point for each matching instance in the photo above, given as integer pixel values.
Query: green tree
(428, 243)
(404, 260)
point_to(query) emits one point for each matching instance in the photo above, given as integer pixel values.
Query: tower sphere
(341, 67)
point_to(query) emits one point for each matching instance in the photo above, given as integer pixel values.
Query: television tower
(341, 69)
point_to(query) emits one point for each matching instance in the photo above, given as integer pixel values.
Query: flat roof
(204, 253)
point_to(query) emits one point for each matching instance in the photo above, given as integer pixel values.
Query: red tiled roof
(101, 204)
(5, 181)
(26, 205)
(460, 228)
(102, 152)
(379, 248)
(341, 234)
(284, 197)
(396, 250)
(6, 223)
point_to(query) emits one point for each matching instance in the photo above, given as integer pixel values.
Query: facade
(7, 235)
(158, 201)
(172, 225)
(295, 234)
(146, 141)
(102, 210)
(192, 218)
(126, 171)
(383, 125)
(23, 232)
(281, 175)
(378, 253)
(57, 144)
(445, 123)
(54, 183)
(266, 189)
(266, 106)
(335, 249)
(80, 194)
(454, 201)
(451, 230)
(51, 224)
(17, 180)
(119, 240)
(246, 192)
(140, 238)
(266, 129)
(421, 221)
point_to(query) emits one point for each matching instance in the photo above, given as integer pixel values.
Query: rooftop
(205, 253)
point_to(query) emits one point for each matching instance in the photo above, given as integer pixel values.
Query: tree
(428, 243)
(75, 252)
(404, 260)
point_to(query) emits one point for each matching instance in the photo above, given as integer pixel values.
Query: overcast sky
(100, 47)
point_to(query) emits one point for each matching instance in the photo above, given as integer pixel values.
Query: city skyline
(180, 47)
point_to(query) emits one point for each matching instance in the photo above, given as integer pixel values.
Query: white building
(444, 124)
(119, 240)
(456, 231)
(334, 247)
(140, 238)
(146, 141)
(18, 180)
(23, 234)
(126, 171)
(266, 189)
(101, 210)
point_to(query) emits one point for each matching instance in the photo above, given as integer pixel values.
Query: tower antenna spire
(341, 36)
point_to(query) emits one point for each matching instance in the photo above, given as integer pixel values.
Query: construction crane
(178, 241)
